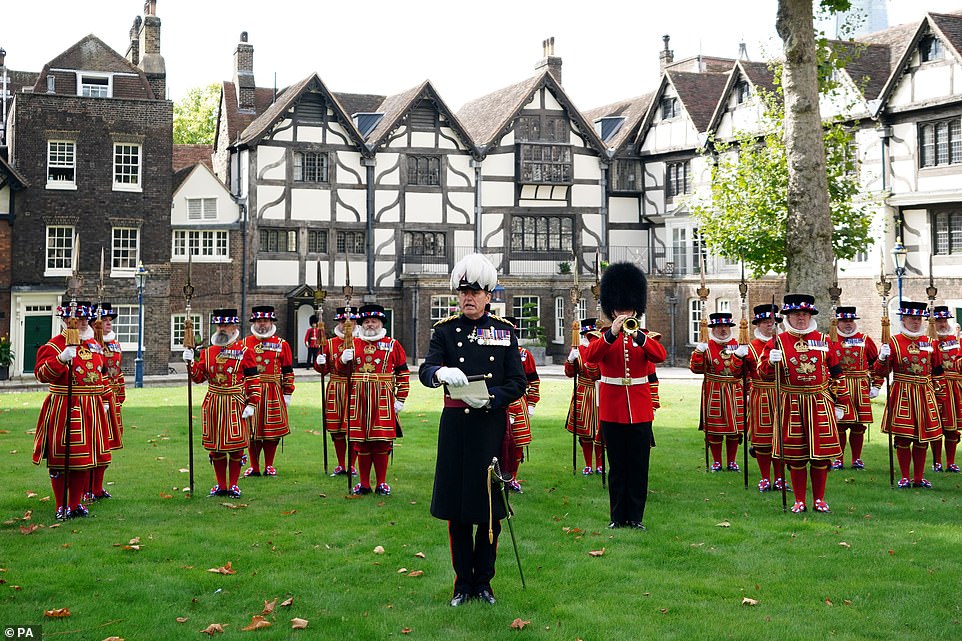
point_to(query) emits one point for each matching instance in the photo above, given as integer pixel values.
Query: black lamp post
(898, 256)
(141, 280)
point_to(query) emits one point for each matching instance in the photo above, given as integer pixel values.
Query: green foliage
(532, 323)
(745, 217)
(6, 352)
(195, 116)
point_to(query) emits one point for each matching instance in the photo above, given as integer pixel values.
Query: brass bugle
(631, 325)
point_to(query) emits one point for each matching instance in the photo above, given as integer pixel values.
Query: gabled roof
(190, 155)
(699, 94)
(354, 103)
(758, 74)
(9, 175)
(489, 118)
(181, 175)
(631, 109)
(287, 100)
(396, 108)
(92, 54)
(869, 65)
(946, 26)
(237, 119)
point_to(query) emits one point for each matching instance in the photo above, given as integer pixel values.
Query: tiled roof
(759, 74)
(868, 66)
(895, 40)
(359, 102)
(632, 109)
(699, 93)
(396, 107)
(11, 171)
(189, 155)
(179, 177)
(485, 117)
(92, 54)
(237, 120)
(951, 27)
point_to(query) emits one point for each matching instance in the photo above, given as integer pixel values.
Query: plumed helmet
(474, 271)
(623, 286)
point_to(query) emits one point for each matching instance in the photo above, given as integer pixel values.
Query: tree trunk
(809, 234)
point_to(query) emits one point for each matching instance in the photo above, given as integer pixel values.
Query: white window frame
(133, 178)
(525, 323)
(120, 249)
(59, 247)
(723, 305)
(82, 84)
(125, 326)
(443, 306)
(177, 328)
(69, 162)
(204, 208)
(694, 320)
(560, 326)
(206, 245)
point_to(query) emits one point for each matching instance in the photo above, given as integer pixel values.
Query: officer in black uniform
(471, 431)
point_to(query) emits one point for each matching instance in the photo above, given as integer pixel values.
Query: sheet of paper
(475, 390)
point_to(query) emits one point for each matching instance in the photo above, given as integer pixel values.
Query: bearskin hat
(623, 286)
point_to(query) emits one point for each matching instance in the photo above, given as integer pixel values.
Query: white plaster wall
(500, 194)
(550, 102)
(498, 165)
(464, 202)
(422, 139)
(200, 184)
(387, 198)
(622, 210)
(310, 204)
(586, 167)
(462, 164)
(388, 169)
(268, 194)
(283, 273)
(586, 196)
(358, 277)
(423, 207)
(353, 198)
(267, 156)
(309, 133)
(287, 135)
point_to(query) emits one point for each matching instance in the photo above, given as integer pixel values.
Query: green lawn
(884, 564)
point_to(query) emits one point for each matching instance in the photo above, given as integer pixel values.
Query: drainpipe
(369, 240)
(476, 164)
(603, 208)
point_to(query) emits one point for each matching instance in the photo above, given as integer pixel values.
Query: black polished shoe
(460, 598)
(637, 525)
(485, 595)
(616, 524)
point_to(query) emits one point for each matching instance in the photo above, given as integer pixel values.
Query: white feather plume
(475, 268)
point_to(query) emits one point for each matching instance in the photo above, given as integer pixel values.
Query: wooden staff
(72, 339)
(932, 291)
(321, 335)
(348, 340)
(189, 343)
(703, 292)
(777, 427)
(884, 287)
(744, 340)
(575, 342)
(596, 291)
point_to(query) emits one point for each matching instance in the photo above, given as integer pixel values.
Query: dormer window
(743, 92)
(608, 126)
(669, 108)
(94, 86)
(930, 49)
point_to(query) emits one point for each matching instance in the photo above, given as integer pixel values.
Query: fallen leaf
(182, 619)
(134, 541)
(183, 470)
(747, 601)
(405, 630)
(847, 602)
(289, 513)
(131, 547)
(114, 639)
(269, 606)
(664, 610)
(57, 613)
(723, 524)
(164, 495)
(213, 628)
(378, 550)
(29, 529)
(402, 570)
(600, 552)
(257, 622)
(27, 515)
(845, 545)
(231, 506)
(420, 555)
(892, 552)
(31, 495)
(298, 624)
(287, 602)
(518, 624)
(416, 573)
(223, 570)
(828, 602)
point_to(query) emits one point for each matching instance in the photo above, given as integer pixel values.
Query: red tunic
(948, 392)
(623, 395)
(312, 338)
(518, 410)
(379, 377)
(810, 383)
(335, 396)
(275, 370)
(761, 399)
(583, 410)
(722, 403)
(231, 373)
(114, 376)
(911, 410)
(859, 353)
(89, 423)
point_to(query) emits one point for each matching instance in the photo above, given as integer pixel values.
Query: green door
(36, 332)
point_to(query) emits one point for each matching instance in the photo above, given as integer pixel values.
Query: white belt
(624, 382)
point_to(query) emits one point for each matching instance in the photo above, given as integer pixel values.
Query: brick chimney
(133, 51)
(666, 56)
(244, 73)
(151, 62)
(551, 61)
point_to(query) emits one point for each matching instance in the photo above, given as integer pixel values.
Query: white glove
(531, 410)
(873, 392)
(287, 399)
(248, 411)
(742, 351)
(347, 356)
(884, 352)
(584, 341)
(839, 413)
(477, 403)
(398, 406)
(188, 355)
(107, 407)
(701, 347)
(67, 354)
(321, 359)
(775, 356)
(452, 376)
(573, 355)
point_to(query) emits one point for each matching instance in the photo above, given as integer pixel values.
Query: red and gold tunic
(911, 410)
(722, 403)
(583, 411)
(335, 396)
(810, 383)
(89, 422)
(623, 395)
(859, 353)
(275, 368)
(949, 390)
(761, 399)
(114, 376)
(378, 378)
(518, 410)
(231, 373)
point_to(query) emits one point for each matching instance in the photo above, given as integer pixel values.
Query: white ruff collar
(762, 337)
(109, 336)
(902, 330)
(381, 334)
(849, 334)
(267, 334)
(222, 340)
(812, 326)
